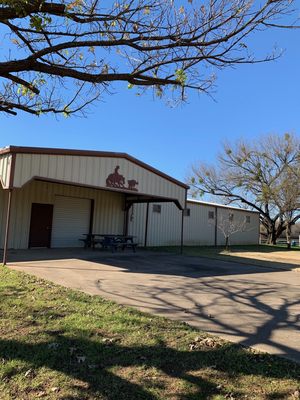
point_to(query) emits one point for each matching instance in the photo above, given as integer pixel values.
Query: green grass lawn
(57, 343)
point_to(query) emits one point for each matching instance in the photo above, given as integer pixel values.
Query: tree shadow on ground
(102, 370)
(197, 256)
(272, 306)
(257, 313)
(97, 370)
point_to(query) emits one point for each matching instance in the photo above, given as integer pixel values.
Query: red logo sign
(116, 180)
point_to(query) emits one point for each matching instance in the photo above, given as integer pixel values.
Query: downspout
(146, 225)
(126, 217)
(181, 239)
(7, 226)
(92, 210)
(182, 220)
(216, 226)
(8, 210)
(125, 230)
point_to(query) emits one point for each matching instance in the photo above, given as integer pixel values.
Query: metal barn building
(50, 197)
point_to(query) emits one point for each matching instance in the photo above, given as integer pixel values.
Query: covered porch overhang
(130, 200)
(130, 196)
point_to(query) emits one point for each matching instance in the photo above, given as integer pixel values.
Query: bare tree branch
(157, 44)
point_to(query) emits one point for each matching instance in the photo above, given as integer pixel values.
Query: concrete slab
(250, 305)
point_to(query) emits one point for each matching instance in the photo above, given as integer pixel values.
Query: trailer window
(156, 208)
(211, 215)
(187, 212)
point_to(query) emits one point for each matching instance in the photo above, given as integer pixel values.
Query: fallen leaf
(29, 373)
(192, 346)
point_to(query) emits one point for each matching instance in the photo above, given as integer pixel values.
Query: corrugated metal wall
(3, 208)
(248, 232)
(108, 212)
(137, 222)
(199, 230)
(93, 171)
(164, 229)
(5, 165)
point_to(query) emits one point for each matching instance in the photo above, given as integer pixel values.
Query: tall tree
(61, 55)
(262, 175)
(286, 197)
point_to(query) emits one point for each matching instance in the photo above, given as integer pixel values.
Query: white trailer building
(50, 197)
(204, 224)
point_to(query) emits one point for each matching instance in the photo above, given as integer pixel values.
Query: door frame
(50, 230)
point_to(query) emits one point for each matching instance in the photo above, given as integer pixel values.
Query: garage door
(71, 219)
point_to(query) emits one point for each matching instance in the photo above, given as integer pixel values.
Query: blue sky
(250, 100)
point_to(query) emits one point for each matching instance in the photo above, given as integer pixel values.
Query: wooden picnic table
(112, 241)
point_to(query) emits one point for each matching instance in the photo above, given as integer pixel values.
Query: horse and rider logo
(116, 180)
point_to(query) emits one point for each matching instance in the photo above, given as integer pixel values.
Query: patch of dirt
(291, 257)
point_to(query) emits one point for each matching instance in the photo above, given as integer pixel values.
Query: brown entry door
(40, 225)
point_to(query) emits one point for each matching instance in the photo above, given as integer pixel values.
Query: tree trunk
(288, 234)
(227, 243)
(272, 237)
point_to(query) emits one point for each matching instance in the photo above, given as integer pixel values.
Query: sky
(249, 101)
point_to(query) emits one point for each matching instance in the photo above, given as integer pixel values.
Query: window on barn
(231, 217)
(156, 208)
(211, 215)
(187, 212)
(248, 220)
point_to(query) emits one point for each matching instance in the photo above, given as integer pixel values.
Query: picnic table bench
(111, 241)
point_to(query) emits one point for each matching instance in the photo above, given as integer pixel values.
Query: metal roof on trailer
(207, 203)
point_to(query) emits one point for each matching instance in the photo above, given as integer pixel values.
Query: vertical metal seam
(216, 226)
(126, 213)
(12, 171)
(92, 216)
(182, 220)
(146, 225)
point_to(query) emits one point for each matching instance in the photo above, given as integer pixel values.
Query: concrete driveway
(250, 305)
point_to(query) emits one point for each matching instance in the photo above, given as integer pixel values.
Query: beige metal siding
(164, 229)
(108, 208)
(137, 222)
(5, 168)
(199, 230)
(93, 171)
(3, 208)
(247, 233)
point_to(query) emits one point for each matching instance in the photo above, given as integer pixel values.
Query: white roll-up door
(71, 219)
